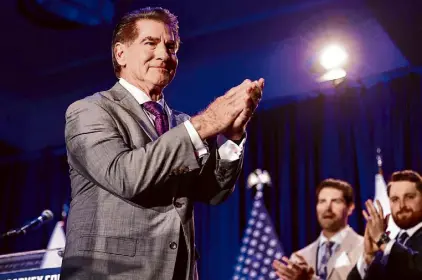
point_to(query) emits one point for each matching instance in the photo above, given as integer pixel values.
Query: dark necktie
(325, 258)
(402, 238)
(161, 122)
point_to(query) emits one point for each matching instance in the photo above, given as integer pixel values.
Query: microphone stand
(11, 233)
(45, 216)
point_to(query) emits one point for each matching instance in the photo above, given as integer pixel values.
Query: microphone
(45, 216)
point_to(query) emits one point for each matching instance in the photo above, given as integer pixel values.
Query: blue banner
(35, 274)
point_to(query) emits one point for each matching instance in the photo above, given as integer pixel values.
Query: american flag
(260, 245)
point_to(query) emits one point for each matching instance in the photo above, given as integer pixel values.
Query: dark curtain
(30, 184)
(299, 144)
(302, 143)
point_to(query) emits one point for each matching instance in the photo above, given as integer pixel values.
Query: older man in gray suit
(137, 166)
(333, 255)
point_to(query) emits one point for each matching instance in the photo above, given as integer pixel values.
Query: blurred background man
(397, 257)
(338, 247)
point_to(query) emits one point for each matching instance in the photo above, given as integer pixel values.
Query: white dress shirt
(227, 149)
(337, 238)
(363, 267)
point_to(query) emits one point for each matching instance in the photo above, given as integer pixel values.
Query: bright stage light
(333, 57)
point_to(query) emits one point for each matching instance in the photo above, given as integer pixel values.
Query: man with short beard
(338, 247)
(398, 258)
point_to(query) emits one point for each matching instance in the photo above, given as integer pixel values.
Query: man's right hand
(293, 270)
(236, 130)
(370, 248)
(222, 113)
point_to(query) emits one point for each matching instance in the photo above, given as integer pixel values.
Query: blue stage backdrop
(300, 144)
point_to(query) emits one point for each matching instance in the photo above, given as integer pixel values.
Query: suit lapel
(121, 96)
(345, 247)
(414, 239)
(309, 253)
(313, 254)
(171, 116)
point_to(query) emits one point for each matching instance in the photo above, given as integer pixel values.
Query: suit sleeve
(217, 178)
(96, 149)
(354, 274)
(405, 261)
(376, 270)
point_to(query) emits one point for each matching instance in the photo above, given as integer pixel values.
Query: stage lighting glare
(333, 74)
(333, 57)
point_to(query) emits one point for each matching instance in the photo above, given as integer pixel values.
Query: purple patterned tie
(325, 258)
(161, 121)
(402, 238)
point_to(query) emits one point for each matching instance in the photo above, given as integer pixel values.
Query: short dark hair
(126, 30)
(341, 185)
(406, 175)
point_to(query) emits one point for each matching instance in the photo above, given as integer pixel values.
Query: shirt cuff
(200, 148)
(362, 267)
(228, 150)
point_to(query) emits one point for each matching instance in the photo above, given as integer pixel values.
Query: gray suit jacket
(133, 191)
(342, 262)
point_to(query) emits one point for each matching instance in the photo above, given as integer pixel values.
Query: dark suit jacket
(404, 262)
(132, 191)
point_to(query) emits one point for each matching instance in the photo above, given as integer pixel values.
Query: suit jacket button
(178, 204)
(173, 245)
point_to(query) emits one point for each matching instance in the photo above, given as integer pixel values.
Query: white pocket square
(342, 260)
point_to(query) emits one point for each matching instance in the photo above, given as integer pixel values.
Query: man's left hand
(376, 223)
(293, 270)
(238, 128)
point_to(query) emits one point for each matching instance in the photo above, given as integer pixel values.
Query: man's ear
(120, 53)
(351, 208)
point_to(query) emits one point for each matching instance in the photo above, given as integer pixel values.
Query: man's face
(406, 204)
(332, 210)
(151, 58)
